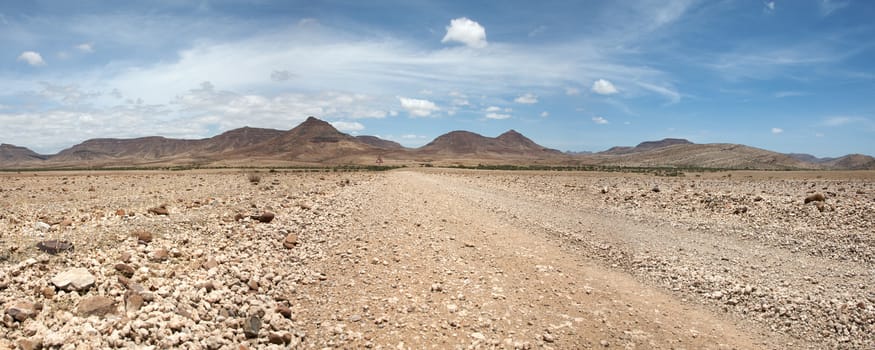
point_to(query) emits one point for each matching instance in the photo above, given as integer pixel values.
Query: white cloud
(669, 93)
(545, 114)
(572, 91)
(528, 99)
(599, 120)
(604, 87)
(417, 107)
(493, 109)
(769, 6)
(348, 126)
(412, 137)
(466, 31)
(497, 116)
(537, 31)
(85, 47)
(777, 130)
(461, 102)
(32, 58)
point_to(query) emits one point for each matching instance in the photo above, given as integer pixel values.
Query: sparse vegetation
(254, 178)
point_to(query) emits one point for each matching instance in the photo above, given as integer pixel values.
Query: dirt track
(437, 259)
(433, 263)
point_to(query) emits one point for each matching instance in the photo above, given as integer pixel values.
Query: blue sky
(789, 76)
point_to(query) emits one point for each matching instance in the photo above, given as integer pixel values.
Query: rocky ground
(435, 259)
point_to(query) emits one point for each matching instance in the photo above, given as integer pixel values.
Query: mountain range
(316, 142)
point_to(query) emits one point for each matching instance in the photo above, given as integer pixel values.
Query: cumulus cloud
(85, 47)
(348, 126)
(777, 130)
(497, 116)
(281, 75)
(417, 107)
(527, 99)
(599, 120)
(604, 87)
(32, 58)
(493, 109)
(466, 31)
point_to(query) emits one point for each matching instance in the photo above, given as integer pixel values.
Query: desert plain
(438, 258)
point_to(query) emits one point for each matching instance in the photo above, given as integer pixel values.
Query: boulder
(74, 279)
(96, 306)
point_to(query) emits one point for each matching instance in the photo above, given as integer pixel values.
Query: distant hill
(717, 155)
(317, 142)
(646, 146)
(380, 143)
(466, 143)
(11, 154)
(312, 141)
(852, 162)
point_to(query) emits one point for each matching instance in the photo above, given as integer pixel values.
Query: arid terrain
(438, 258)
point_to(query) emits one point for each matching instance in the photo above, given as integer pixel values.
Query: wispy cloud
(783, 94)
(827, 7)
(835, 121)
(599, 120)
(528, 99)
(85, 47)
(668, 92)
(497, 116)
(777, 131)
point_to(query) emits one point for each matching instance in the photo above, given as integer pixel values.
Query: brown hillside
(707, 156)
(380, 143)
(15, 155)
(465, 143)
(313, 140)
(853, 162)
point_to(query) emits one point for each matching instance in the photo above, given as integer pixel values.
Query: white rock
(74, 279)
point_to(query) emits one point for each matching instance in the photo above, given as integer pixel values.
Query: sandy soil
(440, 259)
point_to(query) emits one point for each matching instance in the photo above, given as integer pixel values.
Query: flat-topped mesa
(662, 143)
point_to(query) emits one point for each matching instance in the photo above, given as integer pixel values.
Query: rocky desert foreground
(436, 258)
